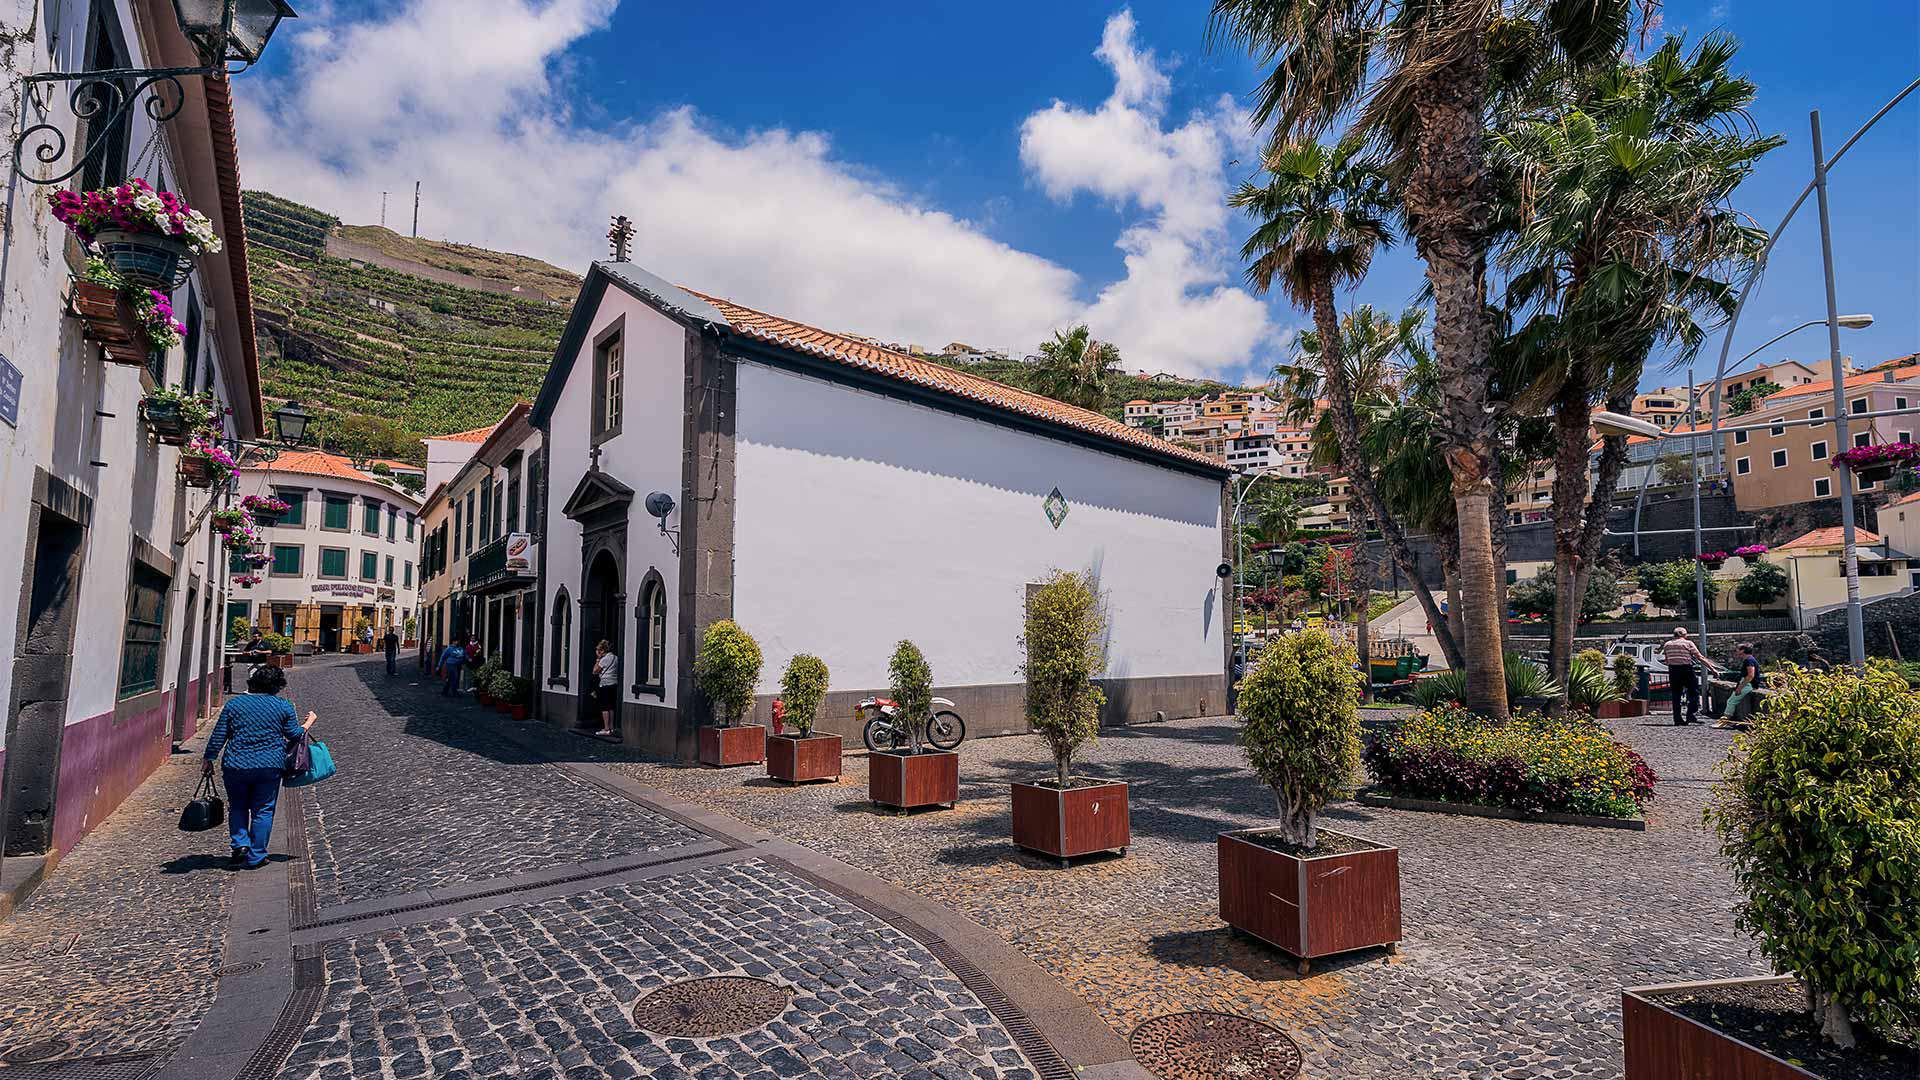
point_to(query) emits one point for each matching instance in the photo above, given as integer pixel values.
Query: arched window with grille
(561, 649)
(650, 637)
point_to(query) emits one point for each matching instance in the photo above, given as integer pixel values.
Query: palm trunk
(1363, 589)
(1572, 421)
(1346, 430)
(1450, 567)
(1497, 522)
(1446, 198)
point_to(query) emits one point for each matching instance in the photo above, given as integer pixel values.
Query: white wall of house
(399, 597)
(445, 458)
(645, 456)
(863, 519)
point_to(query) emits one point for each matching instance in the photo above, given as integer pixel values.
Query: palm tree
(1076, 369)
(1621, 238)
(1321, 213)
(1417, 76)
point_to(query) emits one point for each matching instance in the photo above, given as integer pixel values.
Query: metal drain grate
(237, 969)
(108, 1067)
(1204, 1045)
(709, 1008)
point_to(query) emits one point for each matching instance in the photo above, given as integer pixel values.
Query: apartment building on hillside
(1783, 465)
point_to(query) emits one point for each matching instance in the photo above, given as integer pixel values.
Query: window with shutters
(144, 640)
(339, 512)
(333, 563)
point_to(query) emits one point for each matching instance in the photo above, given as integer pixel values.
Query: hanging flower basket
(203, 460)
(259, 559)
(1873, 464)
(150, 238)
(164, 418)
(1713, 560)
(264, 509)
(196, 471)
(1751, 551)
(246, 580)
(225, 522)
(110, 321)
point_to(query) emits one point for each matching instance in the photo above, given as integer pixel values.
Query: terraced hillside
(423, 355)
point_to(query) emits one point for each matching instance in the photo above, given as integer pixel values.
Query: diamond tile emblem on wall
(1056, 505)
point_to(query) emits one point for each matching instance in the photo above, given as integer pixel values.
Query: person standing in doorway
(254, 729)
(606, 686)
(1685, 662)
(452, 659)
(392, 644)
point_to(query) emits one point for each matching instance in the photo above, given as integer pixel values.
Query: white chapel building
(834, 496)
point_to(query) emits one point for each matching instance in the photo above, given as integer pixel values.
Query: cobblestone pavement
(429, 795)
(547, 989)
(1519, 936)
(115, 952)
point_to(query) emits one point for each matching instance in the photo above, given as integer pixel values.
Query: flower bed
(1534, 764)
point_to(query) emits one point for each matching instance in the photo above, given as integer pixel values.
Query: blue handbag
(319, 767)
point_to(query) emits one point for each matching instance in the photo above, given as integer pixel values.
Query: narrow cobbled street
(464, 901)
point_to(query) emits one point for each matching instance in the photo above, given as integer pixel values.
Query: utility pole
(1856, 631)
(383, 209)
(416, 209)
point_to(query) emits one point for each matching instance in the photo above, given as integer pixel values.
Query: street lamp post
(1856, 629)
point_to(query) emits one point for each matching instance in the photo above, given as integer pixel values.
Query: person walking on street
(253, 730)
(452, 659)
(1685, 662)
(392, 643)
(606, 685)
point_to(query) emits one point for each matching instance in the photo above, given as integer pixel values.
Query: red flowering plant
(205, 445)
(1862, 458)
(153, 309)
(134, 207)
(1712, 558)
(259, 505)
(1751, 551)
(246, 579)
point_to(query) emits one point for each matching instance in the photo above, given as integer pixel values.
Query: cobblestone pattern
(429, 794)
(1518, 936)
(547, 989)
(115, 951)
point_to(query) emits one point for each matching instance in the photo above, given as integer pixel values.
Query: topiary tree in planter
(802, 686)
(1300, 726)
(1819, 811)
(240, 629)
(728, 669)
(912, 689)
(1626, 675)
(1064, 642)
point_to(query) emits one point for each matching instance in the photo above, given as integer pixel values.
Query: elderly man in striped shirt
(1684, 663)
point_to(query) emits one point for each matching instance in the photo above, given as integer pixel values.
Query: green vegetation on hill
(1025, 376)
(387, 358)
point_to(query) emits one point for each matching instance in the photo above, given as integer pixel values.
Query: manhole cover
(1203, 1045)
(706, 1008)
(237, 969)
(39, 1050)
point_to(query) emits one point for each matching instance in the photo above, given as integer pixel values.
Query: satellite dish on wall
(660, 504)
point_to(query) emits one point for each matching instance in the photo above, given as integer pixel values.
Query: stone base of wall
(1895, 619)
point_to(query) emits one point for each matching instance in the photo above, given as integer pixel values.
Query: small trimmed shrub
(1762, 584)
(503, 686)
(802, 686)
(1532, 763)
(1588, 684)
(1064, 637)
(278, 644)
(1819, 812)
(1626, 675)
(1300, 726)
(411, 625)
(728, 670)
(912, 689)
(1447, 687)
(240, 629)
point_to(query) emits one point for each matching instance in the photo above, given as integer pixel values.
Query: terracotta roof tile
(1831, 536)
(909, 369)
(1825, 386)
(478, 434)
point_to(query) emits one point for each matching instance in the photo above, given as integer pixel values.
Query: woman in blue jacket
(254, 729)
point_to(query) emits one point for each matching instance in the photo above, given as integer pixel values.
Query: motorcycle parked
(885, 730)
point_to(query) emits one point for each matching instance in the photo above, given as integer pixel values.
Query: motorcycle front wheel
(946, 730)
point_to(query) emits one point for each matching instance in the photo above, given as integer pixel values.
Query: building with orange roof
(341, 561)
(1782, 466)
(1817, 573)
(1900, 525)
(710, 461)
(447, 454)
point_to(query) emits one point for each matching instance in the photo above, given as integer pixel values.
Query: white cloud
(1175, 308)
(470, 97)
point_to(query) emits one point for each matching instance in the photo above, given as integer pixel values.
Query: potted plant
(1625, 673)
(505, 691)
(407, 638)
(150, 238)
(360, 646)
(1067, 815)
(522, 694)
(727, 670)
(1751, 551)
(240, 629)
(246, 580)
(224, 522)
(1310, 892)
(1873, 464)
(1712, 560)
(203, 461)
(174, 415)
(913, 776)
(1590, 685)
(802, 755)
(483, 682)
(281, 647)
(264, 509)
(1816, 810)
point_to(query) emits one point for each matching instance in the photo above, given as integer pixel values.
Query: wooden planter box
(284, 660)
(164, 418)
(110, 323)
(519, 712)
(1077, 821)
(361, 648)
(725, 747)
(1618, 710)
(1664, 1045)
(795, 760)
(1310, 907)
(908, 781)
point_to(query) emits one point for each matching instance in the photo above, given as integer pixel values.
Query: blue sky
(982, 172)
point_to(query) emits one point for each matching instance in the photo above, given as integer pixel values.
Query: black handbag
(299, 757)
(207, 810)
